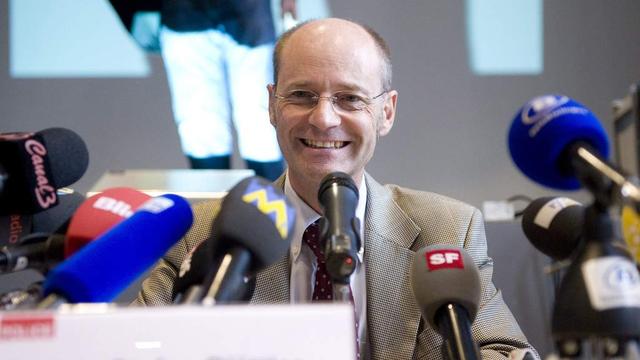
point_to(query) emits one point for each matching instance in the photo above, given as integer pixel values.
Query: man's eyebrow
(345, 86)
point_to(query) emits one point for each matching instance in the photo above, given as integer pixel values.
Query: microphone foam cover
(68, 155)
(442, 275)
(102, 269)
(258, 217)
(57, 218)
(99, 213)
(554, 225)
(543, 129)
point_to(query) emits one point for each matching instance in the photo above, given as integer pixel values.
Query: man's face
(328, 61)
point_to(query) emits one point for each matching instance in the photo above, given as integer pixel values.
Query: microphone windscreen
(35, 165)
(541, 133)
(52, 220)
(102, 269)
(68, 155)
(554, 225)
(258, 217)
(99, 213)
(442, 275)
(56, 219)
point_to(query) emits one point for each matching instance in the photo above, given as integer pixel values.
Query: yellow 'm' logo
(276, 207)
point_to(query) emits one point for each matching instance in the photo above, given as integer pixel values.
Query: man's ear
(389, 113)
(271, 88)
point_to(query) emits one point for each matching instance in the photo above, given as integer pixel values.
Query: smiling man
(330, 103)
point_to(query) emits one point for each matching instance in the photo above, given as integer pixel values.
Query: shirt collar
(308, 216)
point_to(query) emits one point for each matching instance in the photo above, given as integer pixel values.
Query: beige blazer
(398, 222)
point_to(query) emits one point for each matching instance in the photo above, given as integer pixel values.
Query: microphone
(102, 269)
(554, 225)
(35, 165)
(55, 219)
(37, 251)
(559, 143)
(100, 213)
(446, 284)
(339, 230)
(252, 231)
(599, 297)
(42, 251)
(188, 286)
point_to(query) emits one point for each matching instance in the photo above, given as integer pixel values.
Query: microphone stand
(597, 308)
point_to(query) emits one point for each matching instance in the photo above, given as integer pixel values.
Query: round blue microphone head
(541, 132)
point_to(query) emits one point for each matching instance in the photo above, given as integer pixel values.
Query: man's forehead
(339, 45)
(332, 32)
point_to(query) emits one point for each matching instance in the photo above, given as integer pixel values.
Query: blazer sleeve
(495, 329)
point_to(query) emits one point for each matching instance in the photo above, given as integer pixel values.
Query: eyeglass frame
(332, 99)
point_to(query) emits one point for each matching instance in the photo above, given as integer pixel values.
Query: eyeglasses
(345, 101)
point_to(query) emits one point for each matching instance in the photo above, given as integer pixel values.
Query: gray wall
(450, 132)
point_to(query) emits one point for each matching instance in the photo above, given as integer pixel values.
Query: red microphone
(94, 217)
(100, 213)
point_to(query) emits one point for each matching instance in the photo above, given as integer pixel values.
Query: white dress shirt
(303, 261)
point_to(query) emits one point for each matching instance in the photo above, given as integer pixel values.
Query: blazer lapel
(392, 313)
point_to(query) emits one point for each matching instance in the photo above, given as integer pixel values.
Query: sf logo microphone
(444, 259)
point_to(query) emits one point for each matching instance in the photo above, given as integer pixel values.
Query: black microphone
(554, 225)
(446, 284)
(252, 231)
(41, 245)
(55, 219)
(599, 297)
(37, 251)
(339, 229)
(188, 287)
(35, 165)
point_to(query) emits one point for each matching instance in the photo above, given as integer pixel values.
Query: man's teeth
(324, 144)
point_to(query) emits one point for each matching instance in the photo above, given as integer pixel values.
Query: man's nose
(323, 115)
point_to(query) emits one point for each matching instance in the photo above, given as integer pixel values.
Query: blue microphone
(544, 129)
(106, 266)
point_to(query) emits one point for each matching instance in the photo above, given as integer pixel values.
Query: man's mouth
(324, 144)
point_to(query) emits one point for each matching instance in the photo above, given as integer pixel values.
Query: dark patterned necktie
(323, 289)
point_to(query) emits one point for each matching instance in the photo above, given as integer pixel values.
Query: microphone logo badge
(45, 193)
(156, 205)
(541, 106)
(612, 281)
(265, 199)
(444, 259)
(15, 229)
(27, 327)
(114, 206)
(543, 109)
